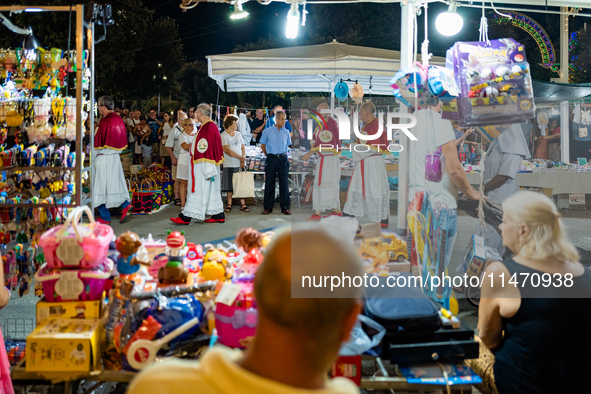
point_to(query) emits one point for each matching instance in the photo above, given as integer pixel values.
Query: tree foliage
(127, 61)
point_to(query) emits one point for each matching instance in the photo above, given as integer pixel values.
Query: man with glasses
(109, 188)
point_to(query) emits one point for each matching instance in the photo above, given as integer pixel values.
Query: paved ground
(578, 223)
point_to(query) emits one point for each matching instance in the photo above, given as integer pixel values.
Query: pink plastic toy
(235, 325)
(74, 285)
(76, 245)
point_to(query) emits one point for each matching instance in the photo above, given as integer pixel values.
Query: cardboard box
(348, 367)
(68, 345)
(391, 167)
(68, 310)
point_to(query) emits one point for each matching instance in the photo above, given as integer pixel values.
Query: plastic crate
(14, 329)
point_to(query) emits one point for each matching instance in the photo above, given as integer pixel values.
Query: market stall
(151, 298)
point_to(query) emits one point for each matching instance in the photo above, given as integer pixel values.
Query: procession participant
(369, 191)
(109, 187)
(204, 196)
(327, 173)
(502, 161)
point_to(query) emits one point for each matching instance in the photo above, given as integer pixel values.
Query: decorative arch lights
(537, 32)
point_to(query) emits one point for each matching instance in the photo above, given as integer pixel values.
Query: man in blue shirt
(155, 136)
(274, 143)
(271, 121)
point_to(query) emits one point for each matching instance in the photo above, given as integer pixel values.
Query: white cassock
(108, 180)
(369, 192)
(207, 197)
(327, 176)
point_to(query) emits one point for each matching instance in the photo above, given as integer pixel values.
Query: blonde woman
(535, 310)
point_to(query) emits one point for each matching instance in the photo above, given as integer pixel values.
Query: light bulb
(449, 23)
(238, 13)
(293, 22)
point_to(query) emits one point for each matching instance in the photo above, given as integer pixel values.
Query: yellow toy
(267, 238)
(215, 266)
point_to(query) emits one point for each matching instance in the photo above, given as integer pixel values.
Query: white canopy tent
(312, 68)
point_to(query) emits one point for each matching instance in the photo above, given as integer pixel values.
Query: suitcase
(414, 334)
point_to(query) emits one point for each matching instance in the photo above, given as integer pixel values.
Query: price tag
(70, 252)
(228, 294)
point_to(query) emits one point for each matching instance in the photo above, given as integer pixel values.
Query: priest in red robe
(327, 173)
(109, 189)
(204, 196)
(369, 192)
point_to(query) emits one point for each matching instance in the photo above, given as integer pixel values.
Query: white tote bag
(243, 184)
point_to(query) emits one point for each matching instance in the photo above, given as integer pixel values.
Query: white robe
(108, 186)
(325, 197)
(207, 198)
(376, 203)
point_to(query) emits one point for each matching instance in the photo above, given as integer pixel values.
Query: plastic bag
(360, 342)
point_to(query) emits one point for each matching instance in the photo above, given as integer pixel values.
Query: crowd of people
(169, 139)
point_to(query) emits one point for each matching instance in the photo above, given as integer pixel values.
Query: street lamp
(293, 20)
(449, 23)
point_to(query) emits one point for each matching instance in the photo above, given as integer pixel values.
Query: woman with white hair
(535, 310)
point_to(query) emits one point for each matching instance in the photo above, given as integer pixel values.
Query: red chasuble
(111, 133)
(328, 138)
(208, 145)
(379, 145)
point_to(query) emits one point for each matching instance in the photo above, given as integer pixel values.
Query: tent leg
(406, 51)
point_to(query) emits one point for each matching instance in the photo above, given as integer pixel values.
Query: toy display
(493, 79)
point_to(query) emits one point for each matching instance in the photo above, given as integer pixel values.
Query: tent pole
(332, 92)
(563, 199)
(406, 51)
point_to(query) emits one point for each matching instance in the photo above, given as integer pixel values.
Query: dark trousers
(276, 165)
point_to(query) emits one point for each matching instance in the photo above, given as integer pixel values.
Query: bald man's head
(369, 107)
(307, 250)
(323, 106)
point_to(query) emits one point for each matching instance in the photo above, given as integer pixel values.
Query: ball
(489, 92)
(516, 69)
(473, 76)
(486, 74)
(502, 71)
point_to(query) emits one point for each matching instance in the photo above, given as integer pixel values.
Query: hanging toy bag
(77, 245)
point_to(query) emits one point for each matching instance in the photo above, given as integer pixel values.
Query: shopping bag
(156, 195)
(167, 188)
(243, 184)
(142, 200)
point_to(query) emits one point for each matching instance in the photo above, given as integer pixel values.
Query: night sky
(208, 30)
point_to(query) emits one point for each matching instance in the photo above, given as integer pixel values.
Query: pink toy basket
(235, 324)
(76, 245)
(74, 285)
